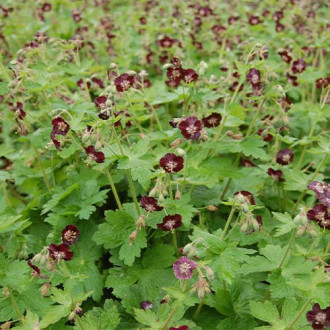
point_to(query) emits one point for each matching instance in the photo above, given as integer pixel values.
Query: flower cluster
(60, 127)
(175, 74)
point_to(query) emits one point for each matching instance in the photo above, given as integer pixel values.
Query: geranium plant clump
(163, 165)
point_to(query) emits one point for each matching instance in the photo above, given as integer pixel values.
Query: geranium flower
(322, 83)
(285, 56)
(284, 157)
(150, 204)
(124, 82)
(175, 73)
(20, 113)
(176, 62)
(97, 156)
(298, 66)
(78, 41)
(276, 175)
(213, 120)
(60, 127)
(254, 20)
(40, 37)
(319, 318)
(191, 128)
(98, 82)
(182, 327)
(122, 113)
(189, 76)
(36, 270)
(320, 214)
(322, 191)
(70, 235)
(100, 102)
(171, 222)
(253, 76)
(166, 42)
(245, 196)
(146, 305)
(60, 252)
(279, 27)
(278, 15)
(171, 163)
(292, 79)
(265, 136)
(183, 268)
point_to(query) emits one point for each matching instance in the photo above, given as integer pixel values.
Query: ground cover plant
(163, 165)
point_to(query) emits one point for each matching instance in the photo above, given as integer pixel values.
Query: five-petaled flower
(170, 222)
(183, 268)
(191, 128)
(253, 77)
(284, 157)
(97, 156)
(245, 197)
(298, 66)
(276, 175)
(182, 327)
(124, 82)
(171, 163)
(70, 235)
(60, 252)
(320, 214)
(319, 318)
(213, 120)
(60, 127)
(189, 76)
(150, 204)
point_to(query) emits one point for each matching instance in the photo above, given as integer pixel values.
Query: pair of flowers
(176, 73)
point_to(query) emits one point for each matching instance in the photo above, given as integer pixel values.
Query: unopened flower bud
(6, 326)
(113, 66)
(5, 292)
(202, 68)
(180, 151)
(167, 66)
(245, 208)
(44, 290)
(255, 224)
(176, 143)
(131, 73)
(209, 273)
(178, 194)
(300, 218)
(141, 223)
(132, 237)
(301, 230)
(212, 208)
(244, 226)
(72, 316)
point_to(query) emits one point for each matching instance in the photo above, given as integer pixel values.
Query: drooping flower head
(191, 128)
(171, 222)
(276, 175)
(285, 56)
(60, 127)
(36, 270)
(97, 156)
(183, 268)
(284, 157)
(70, 234)
(298, 66)
(213, 120)
(150, 204)
(124, 82)
(171, 163)
(245, 197)
(320, 214)
(265, 136)
(189, 76)
(100, 102)
(319, 318)
(60, 252)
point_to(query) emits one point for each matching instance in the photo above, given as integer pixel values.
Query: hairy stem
(114, 190)
(223, 234)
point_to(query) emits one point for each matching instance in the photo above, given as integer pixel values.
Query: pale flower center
(255, 79)
(125, 85)
(191, 129)
(171, 165)
(286, 158)
(59, 255)
(320, 317)
(170, 224)
(185, 268)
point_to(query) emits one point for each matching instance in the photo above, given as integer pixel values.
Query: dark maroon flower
(60, 126)
(235, 84)
(253, 77)
(189, 76)
(70, 234)
(246, 196)
(319, 318)
(150, 204)
(322, 83)
(265, 136)
(171, 163)
(182, 327)
(20, 113)
(276, 175)
(146, 305)
(204, 11)
(124, 82)
(263, 53)
(97, 156)
(279, 27)
(191, 128)
(232, 20)
(176, 62)
(254, 20)
(247, 163)
(98, 82)
(46, 7)
(284, 157)
(213, 120)
(40, 37)
(143, 20)
(166, 42)
(100, 102)
(76, 15)
(60, 252)
(173, 83)
(36, 270)
(170, 222)
(175, 73)
(278, 15)
(183, 268)
(298, 66)
(81, 84)
(285, 56)
(320, 214)
(218, 29)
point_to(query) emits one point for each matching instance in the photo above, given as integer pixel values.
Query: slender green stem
(249, 131)
(198, 309)
(132, 190)
(14, 303)
(302, 195)
(133, 112)
(170, 186)
(157, 119)
(170, 317)
(293, 236)
(301, 312)
(223, 234)
(42, 170)
(238, 157)
(114, 190)
(175, 241)
(279, 199)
